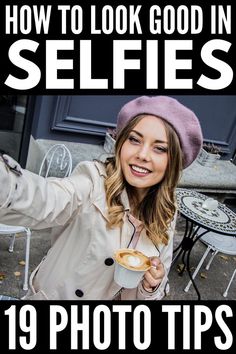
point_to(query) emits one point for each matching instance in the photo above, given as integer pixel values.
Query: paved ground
(211, 283)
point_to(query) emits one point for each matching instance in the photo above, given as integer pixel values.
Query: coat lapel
(127, 232)
(146, 246)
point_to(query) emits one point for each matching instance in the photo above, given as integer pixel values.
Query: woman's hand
(11, 164)
(154, 275)
(5, 181)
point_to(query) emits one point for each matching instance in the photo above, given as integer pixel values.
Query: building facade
(28, 123)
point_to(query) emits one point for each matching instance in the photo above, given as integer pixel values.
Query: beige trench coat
(79, 265)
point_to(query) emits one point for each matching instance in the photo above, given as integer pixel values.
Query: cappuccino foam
(132, 259)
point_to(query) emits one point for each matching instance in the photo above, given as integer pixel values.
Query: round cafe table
(221, 220)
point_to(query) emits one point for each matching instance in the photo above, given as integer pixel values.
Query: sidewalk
(211, 283)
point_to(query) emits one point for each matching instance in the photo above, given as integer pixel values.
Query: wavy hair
(158, 207)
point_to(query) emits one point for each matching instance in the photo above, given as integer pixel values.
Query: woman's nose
(144, 153)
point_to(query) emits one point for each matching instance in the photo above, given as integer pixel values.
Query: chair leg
(211, 259)
(11, 247)
(227, 289)
(186, 289)
(27, 251)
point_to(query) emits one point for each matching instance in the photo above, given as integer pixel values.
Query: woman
(128, 201)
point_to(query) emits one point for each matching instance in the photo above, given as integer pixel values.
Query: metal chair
(58, 162)
(13, 230)
(228, 286)
(215, 243)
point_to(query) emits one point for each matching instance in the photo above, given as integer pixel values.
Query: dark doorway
(13, 109)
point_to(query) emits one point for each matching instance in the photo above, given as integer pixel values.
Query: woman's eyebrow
(141, 136)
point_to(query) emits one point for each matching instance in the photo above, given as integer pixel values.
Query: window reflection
(12, 117)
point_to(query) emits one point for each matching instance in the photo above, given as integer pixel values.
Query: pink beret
(181, 118)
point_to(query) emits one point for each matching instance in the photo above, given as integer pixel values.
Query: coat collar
(101, 168)
(125, 200)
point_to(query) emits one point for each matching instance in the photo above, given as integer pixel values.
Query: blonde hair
(158, 207)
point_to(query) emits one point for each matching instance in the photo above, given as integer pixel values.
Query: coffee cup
(210, 204)
(130, 267)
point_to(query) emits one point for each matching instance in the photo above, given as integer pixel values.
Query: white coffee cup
(130, 267)
(210, 204)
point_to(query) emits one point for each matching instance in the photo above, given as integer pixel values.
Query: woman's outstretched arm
(30, 200)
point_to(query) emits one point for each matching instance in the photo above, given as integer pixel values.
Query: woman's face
(144, 154)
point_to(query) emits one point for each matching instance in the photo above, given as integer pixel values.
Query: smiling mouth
(140, 170)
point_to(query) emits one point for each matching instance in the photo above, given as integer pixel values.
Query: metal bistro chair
(13, 230)
(215, 243)
(56, 162)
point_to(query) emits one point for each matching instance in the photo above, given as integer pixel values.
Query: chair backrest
(57, 162)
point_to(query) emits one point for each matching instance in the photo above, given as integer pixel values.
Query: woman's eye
(133, 140)
(160, 149)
